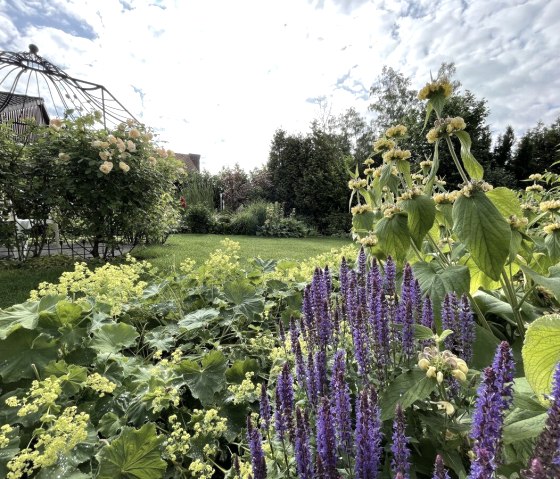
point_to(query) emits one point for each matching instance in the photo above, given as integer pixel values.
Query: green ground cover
(15, 283)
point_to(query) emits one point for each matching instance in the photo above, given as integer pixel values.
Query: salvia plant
(370, 388)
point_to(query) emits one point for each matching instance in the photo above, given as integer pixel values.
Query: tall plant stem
(456, 160)
(512, 299)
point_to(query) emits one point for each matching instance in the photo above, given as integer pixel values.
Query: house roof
(191, 160)
(13, 102)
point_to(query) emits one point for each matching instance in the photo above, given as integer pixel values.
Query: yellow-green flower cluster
(246, 391)
(396, 154)
(551, 228)
(41, 394)
(63, 434)
(369, 241)
(177, 442)
(115, 285)
(475, 185)
(438, 87)
(446, 126)
(163, 397)
(397, 131)
(4, 439)
(383, 144)
(358, 183)
(221, 265)
(518, 223)
(530, 206)
(437, 364)
(201, 470)
(369, 171)
(552, 205)
(536, 177)
(369, 162)
(361, 209)
(426, 164)
(100, 384)
(391, 210)
(209, 423)
(409, 194)
(534, 188)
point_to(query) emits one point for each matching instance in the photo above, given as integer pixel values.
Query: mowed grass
(16, 283)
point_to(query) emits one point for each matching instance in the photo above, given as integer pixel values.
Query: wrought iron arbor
(28, 75)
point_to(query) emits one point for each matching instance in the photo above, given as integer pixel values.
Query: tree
(503, 151)
(234, 184)
(309, 175)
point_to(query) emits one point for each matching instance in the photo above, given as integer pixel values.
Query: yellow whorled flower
(397, 131)
(361, 209)
(434, 88)
(358, 183)
(518, 223)
(530, 207)
(383, 144)
(369, 241)
(391, 210)
(369, 162)
(551, 228)
(426, 164)
(456, 124)
(536, 177)
(475, 185)
(409, 194)
(432, 135)
(396, 154)
(551, 205)
(534, 188)
(369, 171)
(106, 167)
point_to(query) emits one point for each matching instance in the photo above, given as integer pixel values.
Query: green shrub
(221, 223)
(248, 220)
(198, 219)
(282, 227)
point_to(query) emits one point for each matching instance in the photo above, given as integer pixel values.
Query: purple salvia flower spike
(320, 372)
(400, 464)
(301, 369)
(368, 435)
(342, 410)
(408, 346)
(361, 344)
(467, 328)
(283, 414)
(343, 279)
(258, 462)
(494, 397)
(428, 314)
(407, 288)
(439, 470)
(326, 442)
(294, 334)
(265, 408)
(390, 276)
(302, 448)
(547, 448)
(311, 389)
(328, 280)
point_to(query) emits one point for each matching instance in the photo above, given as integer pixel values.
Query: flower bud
(431, 372)
(462, 366)
(449, 408)
(459, 375)
(424, 364)
(439, 377)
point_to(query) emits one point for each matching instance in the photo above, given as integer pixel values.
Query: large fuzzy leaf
(485, 232)
(421, 212)
(135, 454)
(541, 353)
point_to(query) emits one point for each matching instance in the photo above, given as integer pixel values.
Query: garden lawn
(198, 247)
(15, 284)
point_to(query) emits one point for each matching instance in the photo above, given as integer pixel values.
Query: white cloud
(219, 77)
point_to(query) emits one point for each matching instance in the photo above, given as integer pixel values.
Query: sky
(219, 77)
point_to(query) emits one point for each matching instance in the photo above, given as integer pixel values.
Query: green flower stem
(512, 300)
(479, 313)
(444, 261)
(456, 160)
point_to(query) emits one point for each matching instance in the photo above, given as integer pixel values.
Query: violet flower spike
(439, 470)
(466, 328)
(258, 462)
(283, 415)
(546, 455)
(326, 442)
(367, 436)
(342, 410)
(265, 410)
(400, 464)
(302, 448)
(390, 276)
(494, 397)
